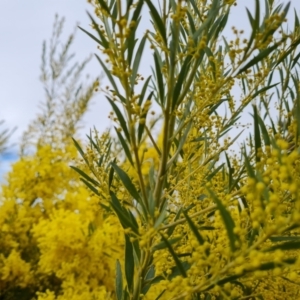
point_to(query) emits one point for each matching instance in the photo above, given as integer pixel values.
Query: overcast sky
(23, 27)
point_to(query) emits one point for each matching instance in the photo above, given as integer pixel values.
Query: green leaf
(195, 7)
(222, 21)
(119, 281)
(227, 219)
(120, 118)
(288, 52)
(91, 36)
(137, 11)
(295, 60)
(131, 41)
(283, 15)
(160, 295)
(159, 77)
(157, 21)
(79, 149)
(122, 214)
(104, 6)
(111, 175)
(257, 139)
(263, 54)
(211, 15)
(115, 9)
(180, 145)
(150, 198)
(129, 263)
(104, 41)
(125, 146)
(171, 229)
(141, 127)
(191, 23)
(213, 108)
(127, 182)
(85, 176)
(91, 187)
(133, 219)
(175, 257)
(259, 92)
(194, 229)
(254, 24)
(163, 245)
(237, 180)
(148, 278)
(272, 265)
(297, 103)
(211, 175)
(181, 78)
(230, 179)
(290, 245)
(285, 238)
(144, 89)
(209, 55)
(160, 219)
(257, 15)
(230, 278)
(264, 131)
(108, 74)
(137, 60)
(248, 166)
(129, 3)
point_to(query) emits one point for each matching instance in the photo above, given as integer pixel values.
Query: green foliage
(194, 73)
(200, 219)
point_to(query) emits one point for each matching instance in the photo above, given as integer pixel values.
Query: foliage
(178, 215)
(67, 97)
(56, 242)
(199, 221)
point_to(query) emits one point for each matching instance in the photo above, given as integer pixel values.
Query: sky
(23, 27)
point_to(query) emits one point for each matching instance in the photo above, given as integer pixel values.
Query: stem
(169, 119)
(129, 94)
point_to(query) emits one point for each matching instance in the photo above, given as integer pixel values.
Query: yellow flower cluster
(56, 240)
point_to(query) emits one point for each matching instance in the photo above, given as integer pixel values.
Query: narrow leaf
(78, 147)
(175, 257)
(227, 219)
(163, 245)
(107, 73)
(157, 21)
(125, 146)
(159, 78)
(290, 245)
(129, 263)
(257, 140)
(144, 89)
(91, 36)
(119, 281)
(91, 187)
(127, 182)
(120, 118)
(263, 54)
(194, 229)
(85, 176)
(285, 238)
(104, 41)
(122, 214)
(104, 6)
(179, 84)
(137, 60)
(262, 90)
